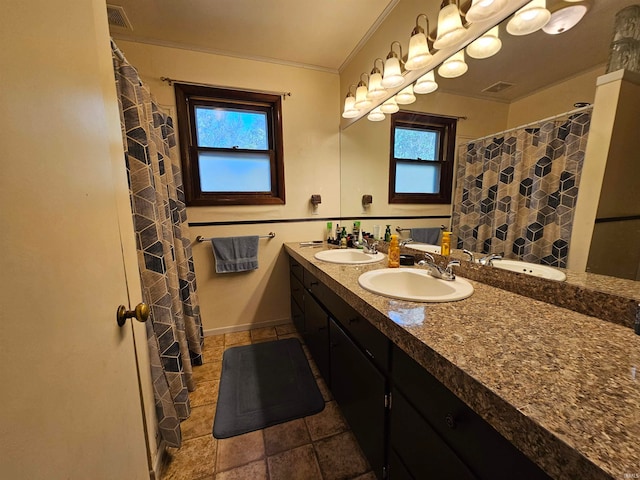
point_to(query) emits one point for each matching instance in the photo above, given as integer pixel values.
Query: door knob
(141, 313)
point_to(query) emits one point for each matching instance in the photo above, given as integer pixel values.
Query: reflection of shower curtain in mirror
(516, 192)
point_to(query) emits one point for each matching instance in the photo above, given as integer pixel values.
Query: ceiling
(324, 35)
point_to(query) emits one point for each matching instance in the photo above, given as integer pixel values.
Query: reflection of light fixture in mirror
(350, 111)
(376, 90)
(375, 115)
(390, 106)
(406, 96)
(450, 29)
(484, 9)
(419, 54)
(486, 46)
(454, 66)
(530, 18)
(564, 19)
(392, 72)
(426, 83)
(362, 102)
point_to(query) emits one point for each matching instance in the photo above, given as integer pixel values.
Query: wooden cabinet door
(359, 388)
(316, 334)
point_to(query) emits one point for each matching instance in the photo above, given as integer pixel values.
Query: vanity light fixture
(376, 90)
(450, 29)
(426, 83)
(406, 96)
(390, 106)
(350, 110)
(564, 19)
(530, 18)
(486, 46)
(362, 101)
(419, 55)
(376, 115)
(392, 71)
(454, 66)
(481, 10)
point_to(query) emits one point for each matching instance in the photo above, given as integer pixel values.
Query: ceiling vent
(498, 87)
(117, 17)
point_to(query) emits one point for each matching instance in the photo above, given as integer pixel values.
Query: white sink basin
(348, 256)
(527, 268)
(414, 284)
(424, 247)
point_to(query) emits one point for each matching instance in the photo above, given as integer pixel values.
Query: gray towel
(235, 254)
(426, 235)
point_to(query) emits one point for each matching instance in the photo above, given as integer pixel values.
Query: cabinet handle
(450, 421)
(353, 320)
(321, 328)
(311, 284)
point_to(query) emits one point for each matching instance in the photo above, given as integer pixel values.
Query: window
(422, 153)
(231, 146)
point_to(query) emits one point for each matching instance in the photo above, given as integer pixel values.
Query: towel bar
(200, 238)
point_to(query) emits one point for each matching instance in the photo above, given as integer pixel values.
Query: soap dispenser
(387, 234)
(394, 252)
(445, 244)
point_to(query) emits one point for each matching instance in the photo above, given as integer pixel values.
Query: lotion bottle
(394, 252)
(445, 245)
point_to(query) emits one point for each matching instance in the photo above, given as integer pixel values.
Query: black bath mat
(262, 385)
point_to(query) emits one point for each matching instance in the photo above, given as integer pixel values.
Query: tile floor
(318, 447)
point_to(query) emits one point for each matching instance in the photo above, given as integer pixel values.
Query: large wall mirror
(533, 77)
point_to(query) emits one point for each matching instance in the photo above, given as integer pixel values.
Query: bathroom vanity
(495, 386)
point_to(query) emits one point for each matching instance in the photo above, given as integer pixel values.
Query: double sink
(416, 284)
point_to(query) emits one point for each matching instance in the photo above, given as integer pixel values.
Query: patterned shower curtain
(174, 329)
(516, 192)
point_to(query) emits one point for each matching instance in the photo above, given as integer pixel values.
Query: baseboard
(158, 467)
(244, 327)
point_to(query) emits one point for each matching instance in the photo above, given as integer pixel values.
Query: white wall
(312, 166)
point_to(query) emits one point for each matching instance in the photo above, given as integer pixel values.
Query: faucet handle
(472, 257)
(488, 260)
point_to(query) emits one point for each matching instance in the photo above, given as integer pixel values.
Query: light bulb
(390, 106)
(530, 18)
(376, 90)
(350, 111)
(419, 54)
(392, 74)
(376, 115)
(362, 102)
(484, 10)
(450, 28)
(406, 96)
(486, 46)
(564, 19)
(454, 66)
(426, 83)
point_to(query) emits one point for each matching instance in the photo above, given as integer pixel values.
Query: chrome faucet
(488, 260)
(370, 246)
(472, 257)
(438, 272)
(404, 242)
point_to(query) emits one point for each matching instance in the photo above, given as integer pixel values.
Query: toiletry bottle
(343, 238)
(360, 239)
(394, 252)
(387, 234)
(329, 232)
(445, 245)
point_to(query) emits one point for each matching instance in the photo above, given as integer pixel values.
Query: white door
(70, 405)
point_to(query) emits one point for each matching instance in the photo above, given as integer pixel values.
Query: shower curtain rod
(117, 51)
(171, 81)
(537, 122)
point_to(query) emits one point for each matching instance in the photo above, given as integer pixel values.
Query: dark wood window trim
(446, 154)
(187, 98)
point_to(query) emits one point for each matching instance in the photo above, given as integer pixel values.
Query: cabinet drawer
(477, 443)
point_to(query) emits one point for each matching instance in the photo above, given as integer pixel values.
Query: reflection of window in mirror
(231, 146)
(421, 160)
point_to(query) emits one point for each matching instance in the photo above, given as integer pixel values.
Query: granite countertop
(560, 385)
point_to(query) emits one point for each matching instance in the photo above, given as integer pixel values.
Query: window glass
(241, 172)
(229, 128)
(412, 177)
(411, 143)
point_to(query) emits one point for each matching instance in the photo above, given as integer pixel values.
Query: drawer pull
(369, 353)
(450, 421)
(353, 320)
